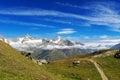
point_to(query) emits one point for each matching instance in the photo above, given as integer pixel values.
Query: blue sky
(74, 19)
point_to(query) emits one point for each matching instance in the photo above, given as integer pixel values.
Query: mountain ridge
(56, 43)
(54, 49)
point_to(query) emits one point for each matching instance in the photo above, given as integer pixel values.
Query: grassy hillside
(111, 67)
(109, 64)
(86, 70)
(64, 68)
(14, 66)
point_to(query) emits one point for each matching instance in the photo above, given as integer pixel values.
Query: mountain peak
(58, 38)
(27, 36)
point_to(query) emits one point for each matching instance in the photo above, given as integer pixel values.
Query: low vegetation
(68, 71)
(14, 66)
(110, 66)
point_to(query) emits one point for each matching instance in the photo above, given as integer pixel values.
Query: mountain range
(58, 42)
(93, 66)
(57, 48)
(117, 46)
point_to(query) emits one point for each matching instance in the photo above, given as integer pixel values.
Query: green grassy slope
(14, 66)
(64, 68)
(110, 66)
(86, 70)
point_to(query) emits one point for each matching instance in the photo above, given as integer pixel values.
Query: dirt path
(103, 76)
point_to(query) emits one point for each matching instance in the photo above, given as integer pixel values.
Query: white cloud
(71, 5)
(58, 21)
(101, 15)
(108, 37)
(66, 31)
(42, 13)
(37, 25)
(104, 37)
(109, 18)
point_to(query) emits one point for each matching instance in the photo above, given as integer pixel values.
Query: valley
(59, 39)
(95, 66)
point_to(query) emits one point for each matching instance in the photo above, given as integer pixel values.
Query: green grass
(111, 67)
(14, 66)
(64, 68)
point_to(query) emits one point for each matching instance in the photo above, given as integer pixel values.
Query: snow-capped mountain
(25, 42)
(57, 48)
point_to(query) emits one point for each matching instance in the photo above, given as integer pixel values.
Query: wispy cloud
(42, 12)
(59, 14)
(36, 25)
(101, 15)
(109, 37)
(68, 22)
(71, 5)
(104, 37)
(58, 21)
(66, 31)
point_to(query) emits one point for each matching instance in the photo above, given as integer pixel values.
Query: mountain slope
(110, 66)
(55, 54)
(117, 46)
(95, 66)
(14, 66)
(83, 71)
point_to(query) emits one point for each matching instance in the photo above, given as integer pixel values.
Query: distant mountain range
(27, 41)
(57, 48)
(117, 46)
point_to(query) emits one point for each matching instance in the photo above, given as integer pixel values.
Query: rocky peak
(27, 36)
(57, 38)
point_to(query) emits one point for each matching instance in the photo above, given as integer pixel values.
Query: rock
(76, 62)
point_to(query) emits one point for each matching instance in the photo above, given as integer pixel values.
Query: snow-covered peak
(58, 42)
(57, 39)
(27, 36)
